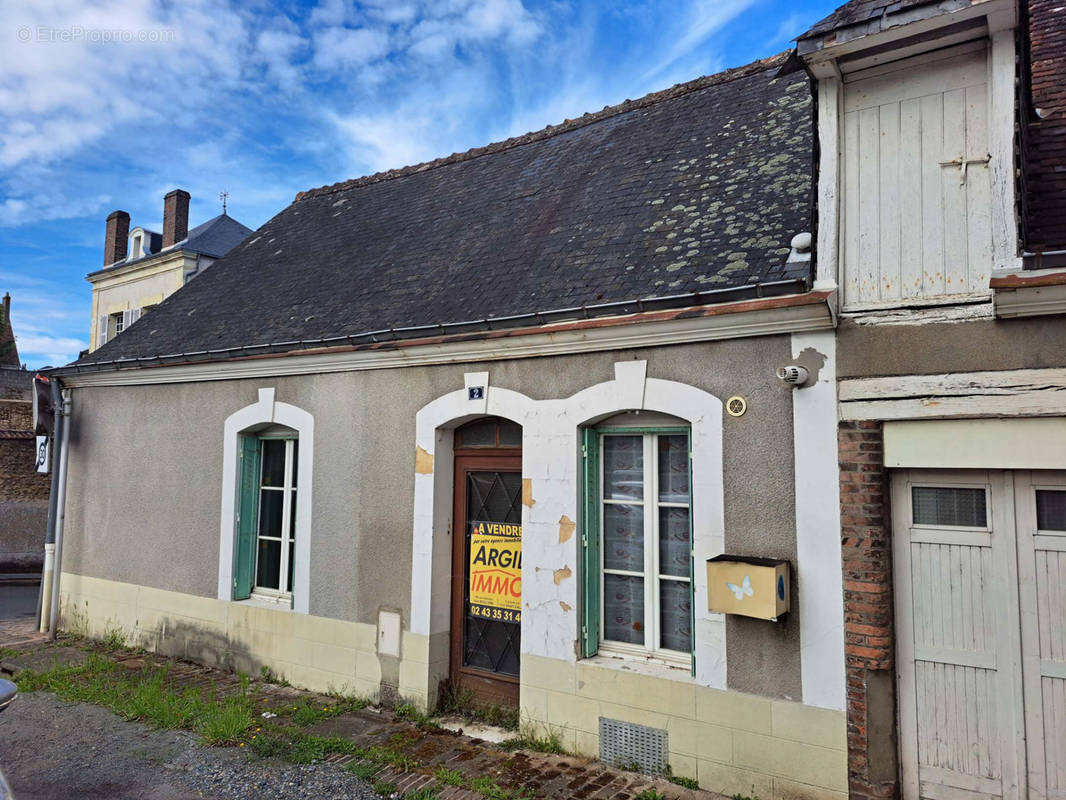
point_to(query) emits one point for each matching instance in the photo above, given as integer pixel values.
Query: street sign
(44, 461)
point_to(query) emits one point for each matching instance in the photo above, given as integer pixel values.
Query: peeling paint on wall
(423, 462)
(565, 606)
(566, 528)
(562, 574)
(527, 493)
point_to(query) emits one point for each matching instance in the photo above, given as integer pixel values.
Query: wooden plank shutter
(135, 314)
(247, 513)
(101, 331)
(590, 542)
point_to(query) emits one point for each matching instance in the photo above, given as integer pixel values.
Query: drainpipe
(64, 451)
(44, 594)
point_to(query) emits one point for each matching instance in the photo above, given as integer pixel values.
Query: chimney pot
(175, 217)
(115, 242)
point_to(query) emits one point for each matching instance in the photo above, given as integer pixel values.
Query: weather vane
(223, 196)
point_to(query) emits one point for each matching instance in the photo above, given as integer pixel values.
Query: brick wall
(1045, 168)
(16, 415)
(868, 627)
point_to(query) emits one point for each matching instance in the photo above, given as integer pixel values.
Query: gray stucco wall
(933, 348)
(146, 463)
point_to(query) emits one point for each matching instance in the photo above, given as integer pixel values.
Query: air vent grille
(632, 746)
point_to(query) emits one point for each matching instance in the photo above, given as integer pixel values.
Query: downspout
(64, 452)
(44, 595)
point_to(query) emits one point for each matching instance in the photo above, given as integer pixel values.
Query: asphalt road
(17, 599)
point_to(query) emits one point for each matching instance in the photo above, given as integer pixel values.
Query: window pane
(1051, 510)
(623, 467)
(623, 609)
(675, 616)
(623, 537)
(935, 505)
(292, 516)
(295, 460)
(270, 508)
(480, 433)
(268, 565)
(510, 433)
(674, 551)
(273, 462)
(673, 469)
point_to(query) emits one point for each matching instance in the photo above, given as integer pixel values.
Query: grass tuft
(528, 739)
(651, 794)
(449, 777)
(462, 703)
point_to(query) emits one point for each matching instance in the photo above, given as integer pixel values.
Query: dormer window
(137, 249)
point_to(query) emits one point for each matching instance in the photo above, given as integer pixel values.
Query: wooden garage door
(960, 703)
(1040, 498)
(980, 560)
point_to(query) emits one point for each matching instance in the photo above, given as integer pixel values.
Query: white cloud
(345, 48)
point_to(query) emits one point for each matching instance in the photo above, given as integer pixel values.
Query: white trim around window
(267, 411)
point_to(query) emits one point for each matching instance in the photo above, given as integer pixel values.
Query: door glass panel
(510, 433)
(623, 537)
(480, 433)
(938, 505)
(1051, 510)
(491, 640)
(270, 505)
(623, 467)
(673, 469)
(675, 616)
(623, 608)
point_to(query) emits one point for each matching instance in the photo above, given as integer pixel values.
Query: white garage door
(980, 562)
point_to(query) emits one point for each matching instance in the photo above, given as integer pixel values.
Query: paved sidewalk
(549, 776)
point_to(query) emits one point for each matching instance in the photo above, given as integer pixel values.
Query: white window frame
(651, 649)
(266, 412)
(283, 594)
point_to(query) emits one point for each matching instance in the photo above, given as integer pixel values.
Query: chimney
(116, 241)
(7, 308)
(175, 217)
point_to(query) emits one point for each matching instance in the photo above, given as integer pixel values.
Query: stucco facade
(143, 554)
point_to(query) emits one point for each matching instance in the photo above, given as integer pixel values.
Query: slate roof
(216, 237)
(875, 14)
(695, 189)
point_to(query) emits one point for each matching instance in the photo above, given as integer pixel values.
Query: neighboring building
(951, 349)
(23, 492)
(143, 267)
(560, 351)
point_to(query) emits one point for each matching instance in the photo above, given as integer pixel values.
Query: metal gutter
(397, 336)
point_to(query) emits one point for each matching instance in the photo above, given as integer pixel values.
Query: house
(482, 358)
(23, 492)
(719, 430)
(942, 225)
(142, 267)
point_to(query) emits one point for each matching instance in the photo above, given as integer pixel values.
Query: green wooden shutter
(247, 513)
(590, 542)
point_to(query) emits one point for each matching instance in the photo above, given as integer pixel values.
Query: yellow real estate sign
(496, 571)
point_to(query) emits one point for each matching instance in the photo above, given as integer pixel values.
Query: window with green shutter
(264, 552)
(637, 543)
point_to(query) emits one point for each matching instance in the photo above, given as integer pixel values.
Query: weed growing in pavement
(9, 652)
(528, 739)
(410, 713)
(364, 771)
(113, 638)
(688, 783)
(267, 675)
(752, 796)
(650, 794)
(309, 712)
(297, 746)
(384, 788)
(449, 777)
(462, 703)
(425, 793)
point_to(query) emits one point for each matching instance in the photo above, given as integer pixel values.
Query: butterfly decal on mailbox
(744, 589)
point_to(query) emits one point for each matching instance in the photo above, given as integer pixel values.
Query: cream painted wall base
(730, 742)
(314, 653)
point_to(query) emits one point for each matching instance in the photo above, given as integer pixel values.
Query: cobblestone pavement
(549, 776)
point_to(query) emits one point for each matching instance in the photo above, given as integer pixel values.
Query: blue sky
(111, 104)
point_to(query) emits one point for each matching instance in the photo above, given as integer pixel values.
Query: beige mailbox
(751, 587)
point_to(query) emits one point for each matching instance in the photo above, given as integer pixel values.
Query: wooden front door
(486, 565)
(980, 563)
